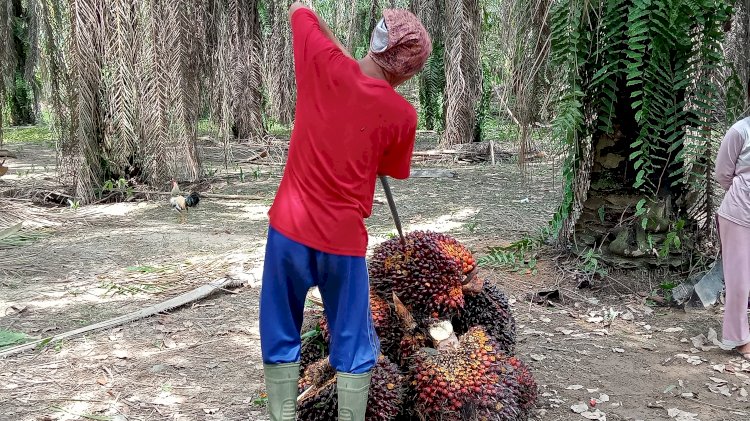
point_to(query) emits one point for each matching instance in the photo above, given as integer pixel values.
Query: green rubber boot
(353, 390)
(281, 387)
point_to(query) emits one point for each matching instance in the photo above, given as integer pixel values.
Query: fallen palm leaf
(8, 337)
(10, 231)
(16, 236)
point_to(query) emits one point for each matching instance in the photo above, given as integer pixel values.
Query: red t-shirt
(349, 128)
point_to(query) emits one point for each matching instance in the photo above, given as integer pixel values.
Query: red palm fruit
(426, 278)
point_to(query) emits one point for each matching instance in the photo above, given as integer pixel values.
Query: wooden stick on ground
(186, 298)
(206, 195)
(231, 196)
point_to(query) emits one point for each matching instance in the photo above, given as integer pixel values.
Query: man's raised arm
(323, 26)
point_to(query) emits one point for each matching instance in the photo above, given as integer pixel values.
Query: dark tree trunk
(22, 94)
(608, 220)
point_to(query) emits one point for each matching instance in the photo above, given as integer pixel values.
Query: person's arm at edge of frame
(323, 26)
(726, 159)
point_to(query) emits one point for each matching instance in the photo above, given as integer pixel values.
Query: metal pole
(392, 205)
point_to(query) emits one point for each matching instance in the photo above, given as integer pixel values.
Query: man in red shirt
(351, 126)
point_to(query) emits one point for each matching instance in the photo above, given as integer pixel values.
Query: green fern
(652, 61)
(432, 90)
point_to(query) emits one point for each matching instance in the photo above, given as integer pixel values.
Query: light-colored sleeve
(726, 160)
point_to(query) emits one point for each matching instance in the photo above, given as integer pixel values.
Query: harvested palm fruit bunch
(491, 309)
(425, 278)
(447, 337)
(387, 390)
(456, 251)
(409, 345)
(314, 344)
(316, 373)
(527, 391)
(384, 320)
(462, 382)
(386, 325)
(318, 401)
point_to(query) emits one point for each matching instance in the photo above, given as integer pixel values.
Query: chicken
(181, 203)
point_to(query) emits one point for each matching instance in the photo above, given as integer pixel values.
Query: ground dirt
(202, 361)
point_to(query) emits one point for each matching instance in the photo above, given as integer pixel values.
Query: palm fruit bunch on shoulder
(523, 380)
(425, 278)
(464, 382)
(319, 401)
(490, 309)
(456, 251)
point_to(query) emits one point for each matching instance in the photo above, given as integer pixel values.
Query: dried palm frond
(737, 45)
(14, 212)
(279, 64)
(246, 75)
(128, 107)
(32, 53)
(178, 23)
(8, 58)
(19, 236)
(524, 36)
(236, 70)
(462, 69)
(173, 277)
(120, 41)
(81, 152)
(54, 29)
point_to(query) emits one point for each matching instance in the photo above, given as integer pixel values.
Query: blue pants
(290, 270)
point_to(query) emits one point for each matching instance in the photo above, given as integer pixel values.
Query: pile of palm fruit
(447, 341)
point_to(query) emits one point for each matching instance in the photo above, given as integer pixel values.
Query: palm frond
(279, 64)
(462, 69)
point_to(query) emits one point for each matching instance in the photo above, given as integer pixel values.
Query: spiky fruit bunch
(384, 320)
(316, 373)
(425, 278)
(384, 401)
(463, 382)
(386, 324)
(325, 329)
(410, 344)
(312, 350)
(314, 344)
(490, 309)
(527, 390)
(456, 251)
(387, 389)
(320, 403)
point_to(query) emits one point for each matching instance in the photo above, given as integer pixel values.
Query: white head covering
(379, 41)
